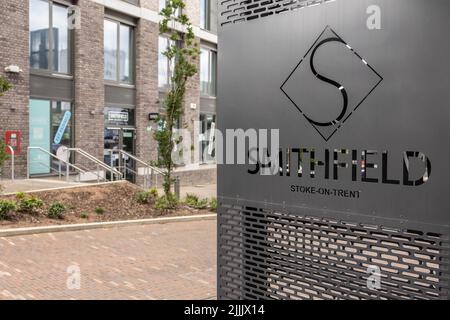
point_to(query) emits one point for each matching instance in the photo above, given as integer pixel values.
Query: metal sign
(118, 116)
(359, 93)
(62, 127)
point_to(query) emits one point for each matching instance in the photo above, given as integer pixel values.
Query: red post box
(12, 138)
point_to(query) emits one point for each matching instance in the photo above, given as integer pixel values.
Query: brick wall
(146, 87)
(192, 97)
(14, 50)
(88, 81)
(193, 11)
(150, 4)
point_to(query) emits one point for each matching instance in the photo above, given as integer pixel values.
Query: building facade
(91, 75)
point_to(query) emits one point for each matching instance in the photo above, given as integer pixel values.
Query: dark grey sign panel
(360, 93)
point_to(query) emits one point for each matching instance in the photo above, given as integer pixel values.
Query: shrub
(166, 202)
(142, 197)
(99, 210)
(56, 211)
(154, 193)
(213, 204)
(6, 207)
(145, 197)
(30, 204)
(20, 195)
(84, 215)
(193, 201)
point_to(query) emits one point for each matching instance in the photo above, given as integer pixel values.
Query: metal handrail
(11, 149)
(149, 170)
(142, 162)
(87, 170)
(98, 162)
(68, 164)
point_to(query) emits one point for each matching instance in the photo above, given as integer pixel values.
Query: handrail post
(59, 169)
(28, 163)
(11, 149)
(111, 165)
(145, 177)
(67, 166)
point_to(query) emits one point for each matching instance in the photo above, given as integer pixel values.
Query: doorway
(120, 139)
(206, 140)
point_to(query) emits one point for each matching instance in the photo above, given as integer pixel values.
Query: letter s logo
(330, 81)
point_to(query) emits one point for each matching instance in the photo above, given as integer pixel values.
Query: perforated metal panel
(313, 231)
(280, 255)
(235, 11)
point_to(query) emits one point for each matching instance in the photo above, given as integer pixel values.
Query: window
(162, 5)
(119, 52)
(164, 67)
(50, 51)
(208, 15)
(50, 128)
(208, 72)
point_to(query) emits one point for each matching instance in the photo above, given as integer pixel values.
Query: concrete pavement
(168, 261)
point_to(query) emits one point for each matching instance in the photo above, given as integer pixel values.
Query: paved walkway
(23, 185)
(202, 191)
(165, 261)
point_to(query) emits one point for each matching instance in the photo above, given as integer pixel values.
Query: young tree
(182, 52)
(4, 86)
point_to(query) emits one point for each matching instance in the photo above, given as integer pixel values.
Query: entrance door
(207, 138)
(120, 139)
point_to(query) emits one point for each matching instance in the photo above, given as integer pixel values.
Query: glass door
(39, 115)
(208, 125)
(128, 138)
(120, 139)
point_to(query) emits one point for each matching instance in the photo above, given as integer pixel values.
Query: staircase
(88, 169)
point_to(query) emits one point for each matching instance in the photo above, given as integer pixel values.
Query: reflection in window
(60, 39)
(163, 62)
(208, 71)
(208, 15)
(118, 52)
(204, 14)
(110, 47)
(40, 41)
(126, 49)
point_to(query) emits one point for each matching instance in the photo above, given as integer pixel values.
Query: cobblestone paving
(165, 261)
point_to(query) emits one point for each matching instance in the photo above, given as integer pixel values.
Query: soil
(118, 200)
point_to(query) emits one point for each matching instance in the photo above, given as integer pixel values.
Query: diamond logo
(330, 83)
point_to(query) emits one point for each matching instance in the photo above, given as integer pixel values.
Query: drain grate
(235, 11)
(265, 254)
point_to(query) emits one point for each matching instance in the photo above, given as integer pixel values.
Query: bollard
(177, 187)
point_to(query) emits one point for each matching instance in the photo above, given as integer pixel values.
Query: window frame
(169, 75)
(210, 50)
(117, 81)
(70, 34)
(207, 13)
